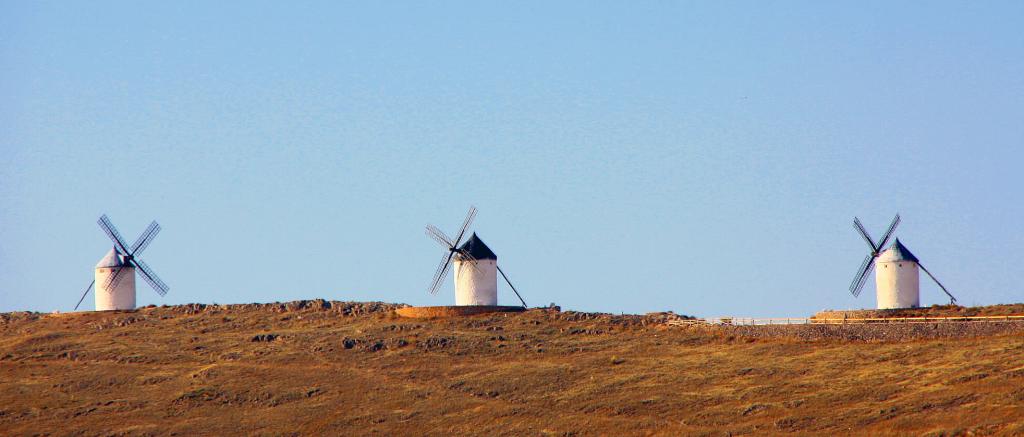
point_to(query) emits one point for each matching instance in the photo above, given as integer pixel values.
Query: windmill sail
(147, 236)
(888, 233)
(861, 277)
(452, 246)
(440, 237)
(442, 272)
(151, 278)
(122, 258)
(862, 274)
(864, 234)
(112, 233)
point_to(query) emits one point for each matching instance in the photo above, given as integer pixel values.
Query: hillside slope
(353, 369)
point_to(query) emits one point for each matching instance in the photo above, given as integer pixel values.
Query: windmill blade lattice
(441, 273)
(154, 281)
(467, 260)
(864, 233)
(857, 285)
(465, 225)
(113, 279)
(452, 246)
(862, 275)
(130, 255)
(112, 233)
(147, 236)
(440, 237)
(888, 233)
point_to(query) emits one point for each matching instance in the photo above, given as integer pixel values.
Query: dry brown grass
(246, 370)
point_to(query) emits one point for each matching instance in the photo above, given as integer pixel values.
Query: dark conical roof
(477, 249)
(900, 252)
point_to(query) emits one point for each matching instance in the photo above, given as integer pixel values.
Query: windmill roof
(897, 252)
(476, 247)
(111, 259)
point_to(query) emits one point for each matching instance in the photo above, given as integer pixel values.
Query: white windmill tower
(897, 281)
(476, 267)
(115, 273)
(476, 274)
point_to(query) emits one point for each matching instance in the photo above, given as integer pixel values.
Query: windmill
(476, 266)
(897, 281)
(115, 273)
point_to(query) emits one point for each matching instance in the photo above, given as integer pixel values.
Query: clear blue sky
(705, 158)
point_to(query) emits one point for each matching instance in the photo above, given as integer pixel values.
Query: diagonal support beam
(84, 294)
(510, 285)
(952, 300)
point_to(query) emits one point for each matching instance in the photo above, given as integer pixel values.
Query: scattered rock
(437, 343)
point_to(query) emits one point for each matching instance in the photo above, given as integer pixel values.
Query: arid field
(342, 368)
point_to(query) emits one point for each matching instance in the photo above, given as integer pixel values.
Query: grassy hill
(355, 368)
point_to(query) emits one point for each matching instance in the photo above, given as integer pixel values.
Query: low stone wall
(454, 311)
(346, 308)
(932, 311)
(871, 331)
(343, 307)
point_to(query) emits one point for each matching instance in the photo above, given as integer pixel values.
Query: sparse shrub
(754, 408)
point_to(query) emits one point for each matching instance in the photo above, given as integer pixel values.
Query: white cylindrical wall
(122, 297)
(477, 286)
(898, 285)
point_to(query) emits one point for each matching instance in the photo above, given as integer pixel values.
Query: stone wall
(932, 311)
(869, 331)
